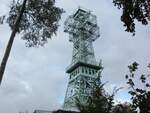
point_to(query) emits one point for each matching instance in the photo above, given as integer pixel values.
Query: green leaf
(143, 78)
(132, 93)
(147, 85)
(126, 76)
(148, 65)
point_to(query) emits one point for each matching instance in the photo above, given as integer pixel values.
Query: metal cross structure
(83, 30)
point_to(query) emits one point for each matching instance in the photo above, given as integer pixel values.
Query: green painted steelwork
(83, 30)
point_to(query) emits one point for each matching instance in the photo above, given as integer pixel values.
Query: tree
(140, 96)
(133, 10)
(99, 101)
(122, 108)
(36, 20)
(63, 111)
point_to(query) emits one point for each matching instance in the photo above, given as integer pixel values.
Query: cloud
(35, 78)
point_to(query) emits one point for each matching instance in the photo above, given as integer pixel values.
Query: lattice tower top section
(82, 23)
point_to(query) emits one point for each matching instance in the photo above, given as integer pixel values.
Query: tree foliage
(39, 20)
(140, 96)
(133, 10)
(36, 20)
(63, 111)
(123, 108)
(99, 101)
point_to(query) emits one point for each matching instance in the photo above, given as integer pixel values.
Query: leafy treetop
(133, 10)
(39, 21)
(140, 96)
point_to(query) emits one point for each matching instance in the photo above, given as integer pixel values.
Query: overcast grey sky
(35, 78)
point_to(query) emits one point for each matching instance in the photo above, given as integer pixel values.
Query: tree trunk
(11, 40)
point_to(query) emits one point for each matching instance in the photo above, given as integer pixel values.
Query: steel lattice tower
(83, 30)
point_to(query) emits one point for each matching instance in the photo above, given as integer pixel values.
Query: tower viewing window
(86, 71)
(82, 69)
(90, 71)
(93, 71)
(70, 77)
